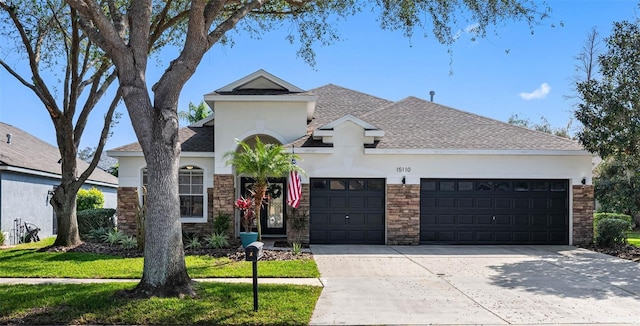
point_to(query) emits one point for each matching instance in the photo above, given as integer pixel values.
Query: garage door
(347, 211)
(463, 211)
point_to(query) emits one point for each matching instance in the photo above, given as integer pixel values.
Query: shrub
(616, 216)
(89, 199)
(193, 242)
(222, 223)
(217, 240)
(128, 243)
(610, 232)
(95, 234)
(92, 219)
(2, 238)
(113, 237)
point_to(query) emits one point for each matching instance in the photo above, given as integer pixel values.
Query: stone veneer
(223, 197)
(583, 206)
(128, 204)
(403, 214)
(303, 208)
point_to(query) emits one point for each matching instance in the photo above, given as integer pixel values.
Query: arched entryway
(273, 210)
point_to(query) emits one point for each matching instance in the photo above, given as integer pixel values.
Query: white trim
(262, 98)
(365, 125)
(54, 175)
(255, 75)
(116, 154)
(395, 151)
(312, 150)
(202, 122)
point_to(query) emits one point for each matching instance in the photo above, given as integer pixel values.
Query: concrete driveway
(462, 285)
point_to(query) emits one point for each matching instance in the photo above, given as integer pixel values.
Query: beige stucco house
(379, 172)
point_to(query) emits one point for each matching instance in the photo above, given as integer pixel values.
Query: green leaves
(610, 108)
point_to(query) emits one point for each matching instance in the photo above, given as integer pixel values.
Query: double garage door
(347, 211)
(452, 211)
(462, 211)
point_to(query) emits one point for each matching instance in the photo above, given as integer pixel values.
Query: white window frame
(205, 204)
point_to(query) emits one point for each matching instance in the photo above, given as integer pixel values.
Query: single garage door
(347, 211)
(463, 211)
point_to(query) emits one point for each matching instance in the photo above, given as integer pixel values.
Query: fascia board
(476, 152)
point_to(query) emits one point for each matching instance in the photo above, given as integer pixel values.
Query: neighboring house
(379, 172)
(29, 171)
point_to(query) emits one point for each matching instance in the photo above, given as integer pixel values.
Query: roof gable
(259, 82)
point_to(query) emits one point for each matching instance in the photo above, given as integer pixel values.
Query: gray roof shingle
(193, 139)
(411, 123)
(29, 152)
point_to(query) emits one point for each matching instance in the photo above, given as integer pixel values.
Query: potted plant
(247, 217)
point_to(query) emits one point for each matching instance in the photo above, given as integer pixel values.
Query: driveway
(462, 285)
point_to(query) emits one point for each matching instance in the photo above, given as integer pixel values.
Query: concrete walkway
(262, 280)
(469, 285)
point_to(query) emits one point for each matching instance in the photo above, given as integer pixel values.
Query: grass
(25, 261)
(633, 237)
(217, 303)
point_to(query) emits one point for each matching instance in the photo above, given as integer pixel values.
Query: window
(191, 191)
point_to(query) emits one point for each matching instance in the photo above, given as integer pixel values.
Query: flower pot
(248, 237)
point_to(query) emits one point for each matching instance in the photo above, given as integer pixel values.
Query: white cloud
(539, 93)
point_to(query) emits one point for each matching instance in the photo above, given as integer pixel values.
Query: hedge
(91, 219)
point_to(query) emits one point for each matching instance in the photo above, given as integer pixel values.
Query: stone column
(128, 204)
(403, 214)
(583, 206)
(303, 209)
(223, 197)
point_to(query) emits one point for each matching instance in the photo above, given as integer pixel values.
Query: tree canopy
(127, 31)
(610, 105)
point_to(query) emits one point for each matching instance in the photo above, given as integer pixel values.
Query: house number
(403, 169)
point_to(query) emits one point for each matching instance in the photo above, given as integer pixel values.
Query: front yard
(216, 303)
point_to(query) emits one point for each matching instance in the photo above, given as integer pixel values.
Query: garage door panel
(375, 202)
(494, 211)
(362, 200)
(503, 203)
(484, 203)
(539, 203)
(337, 202)
(484, 219)
(447, 202)
(447, 220)
(465, 219)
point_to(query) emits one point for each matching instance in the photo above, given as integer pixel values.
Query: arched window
(191, 191)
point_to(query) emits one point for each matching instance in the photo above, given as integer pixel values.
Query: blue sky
(513, 72)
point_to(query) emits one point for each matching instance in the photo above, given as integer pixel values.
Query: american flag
(294, 189)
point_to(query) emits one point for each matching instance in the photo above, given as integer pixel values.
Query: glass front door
(272, 212)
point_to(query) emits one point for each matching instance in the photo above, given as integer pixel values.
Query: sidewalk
(262, 280)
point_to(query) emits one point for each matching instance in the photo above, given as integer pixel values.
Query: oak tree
(128, 30)
(69, 75)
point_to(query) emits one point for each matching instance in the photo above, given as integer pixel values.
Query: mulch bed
(235, 254)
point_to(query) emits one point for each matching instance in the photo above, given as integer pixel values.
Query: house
(29, 171)
(378, 171)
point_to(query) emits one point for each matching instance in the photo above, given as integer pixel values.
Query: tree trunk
(64, 203)
(260, 191)
(165, 271)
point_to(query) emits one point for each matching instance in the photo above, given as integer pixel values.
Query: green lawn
(216, 304)
(25, 261)
(633, 237)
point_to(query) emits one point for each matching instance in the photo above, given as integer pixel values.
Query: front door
(272, 212)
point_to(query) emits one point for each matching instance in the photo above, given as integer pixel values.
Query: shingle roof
(415, 123)
(29, 152)
(411, 123)
(193, 139)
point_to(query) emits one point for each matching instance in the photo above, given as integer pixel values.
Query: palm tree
(195, 113)
(260, 163)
